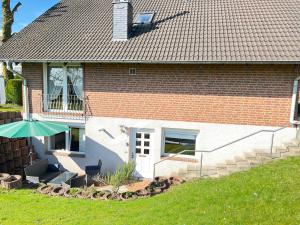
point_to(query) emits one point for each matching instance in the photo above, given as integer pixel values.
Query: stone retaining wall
(14, 153)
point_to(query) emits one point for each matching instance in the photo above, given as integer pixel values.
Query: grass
(10, 108)
(265, 195)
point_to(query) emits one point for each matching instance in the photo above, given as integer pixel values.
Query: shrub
(13, 91)
(121, 176)
(129, 170)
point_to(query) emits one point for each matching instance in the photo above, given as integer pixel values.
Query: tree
(8, 15)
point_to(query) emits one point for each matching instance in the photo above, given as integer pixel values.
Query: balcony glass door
(64, 88)
(75, 88)
(55, 83)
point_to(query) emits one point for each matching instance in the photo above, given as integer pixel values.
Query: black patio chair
(76, 182)
(92, 170)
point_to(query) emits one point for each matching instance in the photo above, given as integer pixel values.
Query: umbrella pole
(30, 150)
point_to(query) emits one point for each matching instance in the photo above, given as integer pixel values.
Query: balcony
(59, 107)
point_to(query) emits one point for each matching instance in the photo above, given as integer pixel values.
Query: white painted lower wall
(105, 140)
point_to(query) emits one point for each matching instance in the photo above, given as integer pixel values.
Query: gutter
(296, 62)
(25, 88)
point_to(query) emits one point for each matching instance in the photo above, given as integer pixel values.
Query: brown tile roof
(184, 31)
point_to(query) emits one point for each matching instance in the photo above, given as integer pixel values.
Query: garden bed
(131, 191)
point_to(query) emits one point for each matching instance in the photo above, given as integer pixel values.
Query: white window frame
(144, 13)
(65, 87)
(68, 142)
(179, 132)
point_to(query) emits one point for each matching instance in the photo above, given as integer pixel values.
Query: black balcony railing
(68, 107)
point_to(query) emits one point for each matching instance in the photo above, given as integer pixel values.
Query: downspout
(294, 100)
(25, 89)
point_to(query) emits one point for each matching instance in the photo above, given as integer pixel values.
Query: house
(145, 79)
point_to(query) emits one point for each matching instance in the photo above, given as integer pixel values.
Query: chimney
(122, 19)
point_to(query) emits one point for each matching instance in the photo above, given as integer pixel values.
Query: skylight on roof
(144, 18)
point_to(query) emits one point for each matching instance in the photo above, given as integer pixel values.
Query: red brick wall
(34, 76)
(259, 95)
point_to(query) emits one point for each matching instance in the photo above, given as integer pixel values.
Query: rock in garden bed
(59, 191)
(101, 195)
(3, 176)
(175, 180)
(45, 189)
(84, 194)
(128, 195)
(12, 182)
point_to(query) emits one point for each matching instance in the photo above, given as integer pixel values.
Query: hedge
(13, 91)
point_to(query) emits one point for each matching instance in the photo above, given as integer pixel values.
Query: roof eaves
(148, 61)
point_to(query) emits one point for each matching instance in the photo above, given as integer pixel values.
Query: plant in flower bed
(98, 180)
(122, 176)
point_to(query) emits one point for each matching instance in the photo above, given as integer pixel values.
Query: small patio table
(62, 178)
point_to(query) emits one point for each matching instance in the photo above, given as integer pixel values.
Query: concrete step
(281, 150)
(269, 155)
(239, 159)
(203, 172)
(255, 162)
(287, 154)
(233, 169)
(223, 172)
(230, 162)
(294, 149)
(293, 143)
(266, 152)
(252, 157)
(194, 171)
(214, 176)
(243, 163)
(249, 156)
(197, 167)
(221, 166)
(245, 167)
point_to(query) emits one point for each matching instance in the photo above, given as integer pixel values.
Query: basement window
(71, 141)
(144, 18)
(176, 141)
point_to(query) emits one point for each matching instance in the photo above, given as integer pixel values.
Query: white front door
(142, 153)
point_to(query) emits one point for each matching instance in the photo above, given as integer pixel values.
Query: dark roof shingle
(183, 31)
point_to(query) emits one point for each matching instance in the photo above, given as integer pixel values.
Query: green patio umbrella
(31, 128)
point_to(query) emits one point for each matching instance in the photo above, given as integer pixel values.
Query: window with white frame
(73, 140)
(176, 141)
(63, 87)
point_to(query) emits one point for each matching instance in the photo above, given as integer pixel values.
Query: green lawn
(10, 108)
(265, 195)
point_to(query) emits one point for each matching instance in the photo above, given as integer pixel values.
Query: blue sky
(30, 10)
